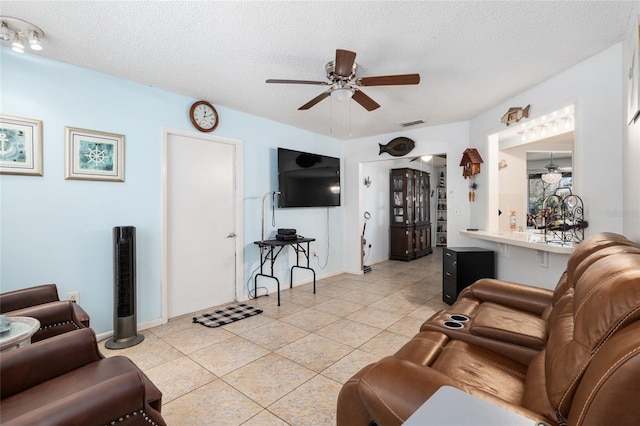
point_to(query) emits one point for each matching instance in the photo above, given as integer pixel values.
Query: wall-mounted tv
(308, 180)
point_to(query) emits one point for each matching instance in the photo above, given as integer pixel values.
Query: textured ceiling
(471, 56)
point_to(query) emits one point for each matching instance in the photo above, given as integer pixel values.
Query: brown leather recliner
(42, 302)
(586, 374)
(511, 318)
(65, 380)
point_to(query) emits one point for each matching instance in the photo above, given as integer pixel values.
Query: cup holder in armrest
(452, 324)
(459, 317)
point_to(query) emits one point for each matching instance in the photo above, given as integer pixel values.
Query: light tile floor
(287, 365)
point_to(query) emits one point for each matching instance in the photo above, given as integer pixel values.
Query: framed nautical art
(92, 155)
(20, 146)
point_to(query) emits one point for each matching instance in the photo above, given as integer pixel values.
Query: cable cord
(249, 288)
(328, 247)
(273, 210)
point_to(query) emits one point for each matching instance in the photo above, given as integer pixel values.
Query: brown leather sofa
(42, 302)
(585, 371)
(512, 318)
(65, 380)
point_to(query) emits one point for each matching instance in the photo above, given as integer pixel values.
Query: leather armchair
(65, 380)
(42, 302)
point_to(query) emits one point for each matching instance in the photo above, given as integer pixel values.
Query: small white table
(452, 407)
(22, 328)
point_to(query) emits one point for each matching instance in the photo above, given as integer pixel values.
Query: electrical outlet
(74, 296)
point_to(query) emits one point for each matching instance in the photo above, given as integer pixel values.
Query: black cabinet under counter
(462, 266)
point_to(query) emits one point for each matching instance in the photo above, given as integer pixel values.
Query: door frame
(238, 204)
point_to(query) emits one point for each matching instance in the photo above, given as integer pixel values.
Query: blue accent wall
(59, 231)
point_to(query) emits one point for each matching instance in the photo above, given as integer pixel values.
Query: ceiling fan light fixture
(342, 94)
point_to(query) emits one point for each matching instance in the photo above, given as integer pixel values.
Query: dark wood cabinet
(462, 266)
(410, 234)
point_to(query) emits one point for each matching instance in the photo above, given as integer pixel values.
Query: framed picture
(20, 146)
(91, 155)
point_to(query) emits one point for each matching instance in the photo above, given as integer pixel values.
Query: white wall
(630, 212)
(513, 188)
(595, 85)
(55, 230)
(375, 200)
(450, 139)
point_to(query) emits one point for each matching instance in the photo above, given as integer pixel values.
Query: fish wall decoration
(398, 147)
(515, 114)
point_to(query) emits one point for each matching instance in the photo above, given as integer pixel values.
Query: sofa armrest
(117, 399)
(391, 390)
(18, 299)
(55, 318)
(81, 315)
(518, 296)
(42, 361)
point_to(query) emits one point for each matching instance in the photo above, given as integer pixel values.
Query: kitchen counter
(531, 240)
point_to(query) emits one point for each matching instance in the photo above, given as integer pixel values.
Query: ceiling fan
(344, 84)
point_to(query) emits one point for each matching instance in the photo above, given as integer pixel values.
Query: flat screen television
(308, 180)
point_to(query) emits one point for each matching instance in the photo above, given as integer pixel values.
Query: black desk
(270, 249)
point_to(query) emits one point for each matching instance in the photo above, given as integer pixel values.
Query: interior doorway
(202, 222)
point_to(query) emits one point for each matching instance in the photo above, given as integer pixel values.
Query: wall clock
(204, 116)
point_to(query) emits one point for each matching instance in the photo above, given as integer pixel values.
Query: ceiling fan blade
(275, 80)
(364, 100)
(344, 62)
(389, 80)
(315, 100)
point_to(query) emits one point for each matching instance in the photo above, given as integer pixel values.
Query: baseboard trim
(141, 326)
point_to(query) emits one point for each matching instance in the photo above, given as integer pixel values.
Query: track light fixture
(5, 32)
(17, 45)
(16, 31)
(34, 41)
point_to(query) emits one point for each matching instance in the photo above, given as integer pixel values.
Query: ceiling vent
(412, 123)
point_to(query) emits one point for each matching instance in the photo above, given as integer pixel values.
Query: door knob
(231, 235)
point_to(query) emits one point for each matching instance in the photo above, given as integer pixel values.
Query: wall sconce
(16, 31)
(367, 181)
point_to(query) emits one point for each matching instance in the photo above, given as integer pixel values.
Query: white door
(200, 223)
